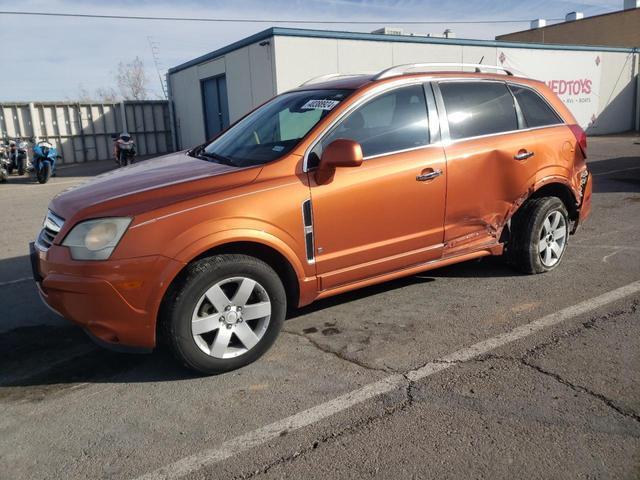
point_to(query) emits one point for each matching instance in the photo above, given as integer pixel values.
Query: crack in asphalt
(579, 388)
(407, 401)
(340, 354)
(409, 389)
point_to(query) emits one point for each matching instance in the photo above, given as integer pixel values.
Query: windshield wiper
(217, 157)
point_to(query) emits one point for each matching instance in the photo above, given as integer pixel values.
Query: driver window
(390, 122)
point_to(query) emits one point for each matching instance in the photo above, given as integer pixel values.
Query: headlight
(95, 239)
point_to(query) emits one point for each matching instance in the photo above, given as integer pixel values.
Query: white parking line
(616, 171)
(313, 415)
(17, 280)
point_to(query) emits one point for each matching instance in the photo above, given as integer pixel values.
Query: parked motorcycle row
(17, 158)
(14, 158)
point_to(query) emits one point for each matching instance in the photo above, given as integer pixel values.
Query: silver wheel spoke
(248, 338)
(256, 310)
(546, 226)
(200, 325)
(220, 344)
(217, 298)
(558, 234)
(555, 248)
(556, 220)
(542, 246)
(244, 292)
(547, 256)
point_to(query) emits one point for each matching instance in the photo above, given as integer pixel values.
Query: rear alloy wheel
(224, 312)
(539, 235)
(553, 239)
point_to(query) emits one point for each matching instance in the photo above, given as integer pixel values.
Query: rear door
(388, 213)
(492, 160)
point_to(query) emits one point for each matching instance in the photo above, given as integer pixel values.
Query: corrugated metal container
(82, 131)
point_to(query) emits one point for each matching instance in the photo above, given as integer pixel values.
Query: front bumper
(116, 301)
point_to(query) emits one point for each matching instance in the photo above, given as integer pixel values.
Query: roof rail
(329, 76)
(402, 69)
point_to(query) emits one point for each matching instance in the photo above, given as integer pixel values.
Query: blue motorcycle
(44, 161)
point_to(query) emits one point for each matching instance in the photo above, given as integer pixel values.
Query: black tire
(44, 173)
(175, 328)
(526, 229)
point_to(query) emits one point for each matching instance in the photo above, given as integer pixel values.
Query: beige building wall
(250, 82)
(617, 29)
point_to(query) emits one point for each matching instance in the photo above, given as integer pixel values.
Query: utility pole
(155, 53)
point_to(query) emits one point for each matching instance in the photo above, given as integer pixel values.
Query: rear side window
(393, 121)
(478, 108)
(536, 112)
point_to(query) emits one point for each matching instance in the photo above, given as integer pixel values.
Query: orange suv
(346, 181)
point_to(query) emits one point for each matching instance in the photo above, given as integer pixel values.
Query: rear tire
(223, 313)
(539, 234)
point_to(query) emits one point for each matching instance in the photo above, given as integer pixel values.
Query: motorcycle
(4, 163)
(44, 161)
(17, 155)
(124, 149)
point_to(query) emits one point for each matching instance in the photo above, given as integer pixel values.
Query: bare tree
(83, 95)
(132, 80)
(107, 95)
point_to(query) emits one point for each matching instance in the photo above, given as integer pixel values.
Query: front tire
(539, 234)
(44, 173)
(223, 313)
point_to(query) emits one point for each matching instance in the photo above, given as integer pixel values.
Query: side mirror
(339, 153)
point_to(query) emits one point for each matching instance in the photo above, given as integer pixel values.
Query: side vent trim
(307, 221)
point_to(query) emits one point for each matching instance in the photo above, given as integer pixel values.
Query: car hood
(135, 189)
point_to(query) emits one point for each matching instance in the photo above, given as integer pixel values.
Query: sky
(52, 58)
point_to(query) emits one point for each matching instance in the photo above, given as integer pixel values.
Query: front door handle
(523, 154)
(423, 177)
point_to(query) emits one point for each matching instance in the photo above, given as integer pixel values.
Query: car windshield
(274, 129)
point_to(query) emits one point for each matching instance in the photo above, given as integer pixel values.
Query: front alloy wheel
(231, 317)
(223, 312)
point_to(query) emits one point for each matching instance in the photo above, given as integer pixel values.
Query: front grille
(51, 227)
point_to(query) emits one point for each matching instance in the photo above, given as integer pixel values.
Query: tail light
(581, 137)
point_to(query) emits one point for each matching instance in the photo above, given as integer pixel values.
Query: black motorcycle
(17, 157)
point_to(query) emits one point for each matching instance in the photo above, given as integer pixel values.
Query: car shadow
(616, 175)
(39, 360)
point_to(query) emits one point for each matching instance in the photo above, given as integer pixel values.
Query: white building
(599, 84)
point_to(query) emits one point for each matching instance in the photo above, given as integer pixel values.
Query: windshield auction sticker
(320, 104)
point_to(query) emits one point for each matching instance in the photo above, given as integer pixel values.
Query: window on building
(478, 108)
(536, 111)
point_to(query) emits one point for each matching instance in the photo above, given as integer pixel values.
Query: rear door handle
(523, 154)
(423, 177)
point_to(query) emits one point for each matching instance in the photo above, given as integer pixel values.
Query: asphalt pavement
(470, 371)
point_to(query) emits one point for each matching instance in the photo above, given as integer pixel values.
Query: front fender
(212, 240)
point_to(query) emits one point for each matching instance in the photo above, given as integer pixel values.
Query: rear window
(536, 112)
(478, 108)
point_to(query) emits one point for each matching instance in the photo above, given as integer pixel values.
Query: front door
(388, 213)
